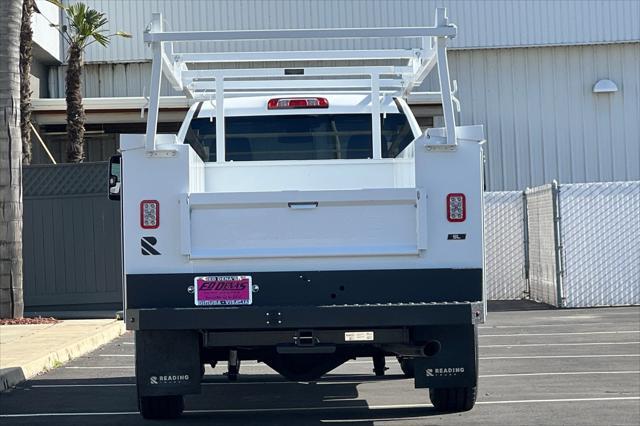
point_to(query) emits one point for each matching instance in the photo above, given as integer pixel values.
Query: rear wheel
(453, 399)
(161, 407)
(457, 399)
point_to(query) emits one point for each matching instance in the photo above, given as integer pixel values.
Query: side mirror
(115, 177)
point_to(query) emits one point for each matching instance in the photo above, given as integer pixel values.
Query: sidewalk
(26, 350)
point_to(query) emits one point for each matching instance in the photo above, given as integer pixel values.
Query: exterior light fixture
(605, 86)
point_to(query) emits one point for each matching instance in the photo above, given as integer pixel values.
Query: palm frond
(57, 3)
(87, 23)
(101, 39)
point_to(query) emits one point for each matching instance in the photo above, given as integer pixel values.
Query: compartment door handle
(303, 205)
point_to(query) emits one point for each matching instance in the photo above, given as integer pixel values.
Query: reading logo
(444, 372)
(170, 379)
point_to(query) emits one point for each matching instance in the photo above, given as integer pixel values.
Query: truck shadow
(266, 399)
(254, 399)
(516, 305)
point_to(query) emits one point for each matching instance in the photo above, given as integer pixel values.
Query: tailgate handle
(303, 205)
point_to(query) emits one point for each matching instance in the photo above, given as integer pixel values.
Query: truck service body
(325, 226)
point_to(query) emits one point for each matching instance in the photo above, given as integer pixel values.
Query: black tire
(161, 407)
(406, 365)
(453, 400)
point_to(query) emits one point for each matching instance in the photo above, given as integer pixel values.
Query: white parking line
(117, 355)
(562, 356)
(484, 327)
(113, 413)
(334, 382)
(563, 334)
(99, 367)
(221, 383)
(84, 385)
(529, 401)
(562, 373)
(328, 408)
(559, 344)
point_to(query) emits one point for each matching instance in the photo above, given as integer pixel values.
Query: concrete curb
(12, 376)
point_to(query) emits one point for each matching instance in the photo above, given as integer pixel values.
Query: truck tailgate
(368, 222)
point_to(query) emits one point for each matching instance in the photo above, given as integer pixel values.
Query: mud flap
(455, 365)
(167, 362)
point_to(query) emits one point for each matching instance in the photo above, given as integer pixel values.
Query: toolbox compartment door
(292, 224)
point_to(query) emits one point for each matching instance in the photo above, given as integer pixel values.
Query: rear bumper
(312, 317)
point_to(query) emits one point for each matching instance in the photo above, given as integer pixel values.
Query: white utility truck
(301, 218)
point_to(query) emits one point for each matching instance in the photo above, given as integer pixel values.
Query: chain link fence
(504, 245)
(600, 226)
(578, 244)
(544, 268)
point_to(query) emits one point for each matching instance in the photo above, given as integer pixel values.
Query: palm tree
(26, 41)
(86, 26)
(11, 300)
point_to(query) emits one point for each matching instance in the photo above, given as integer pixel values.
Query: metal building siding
(109, 80)
(482, 24)
(542, 119)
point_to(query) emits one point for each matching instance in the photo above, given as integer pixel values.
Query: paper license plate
(358, 336)
(227, 290)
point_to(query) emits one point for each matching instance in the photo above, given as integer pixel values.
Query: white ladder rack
(370, 77)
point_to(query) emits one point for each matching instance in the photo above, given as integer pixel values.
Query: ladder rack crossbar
(294, 72)
(210, 86)
(323, 33)
(298, 56)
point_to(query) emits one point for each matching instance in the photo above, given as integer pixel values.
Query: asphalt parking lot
(536, 367)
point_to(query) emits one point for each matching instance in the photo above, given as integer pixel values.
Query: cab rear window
(299, 137)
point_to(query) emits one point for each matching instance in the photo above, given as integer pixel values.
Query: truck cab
(301, 218)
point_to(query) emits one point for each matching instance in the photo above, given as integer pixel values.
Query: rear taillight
(292, 103)
(149, 214)
(456, 208)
